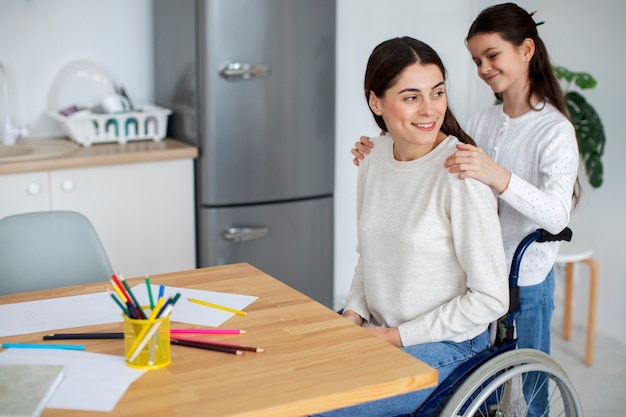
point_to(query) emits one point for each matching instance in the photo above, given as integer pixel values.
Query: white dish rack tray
(87, 128)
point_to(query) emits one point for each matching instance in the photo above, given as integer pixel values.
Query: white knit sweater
(431, 260)
(540, 150)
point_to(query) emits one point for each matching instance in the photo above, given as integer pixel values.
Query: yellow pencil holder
(147, 342)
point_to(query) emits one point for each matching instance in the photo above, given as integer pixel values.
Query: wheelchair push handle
(539, 235)
(565, 234)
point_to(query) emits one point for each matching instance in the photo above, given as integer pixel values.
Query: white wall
(37, 38)
(581, 35)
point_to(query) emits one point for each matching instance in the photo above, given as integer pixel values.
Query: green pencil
(149, 292)
(118, 302)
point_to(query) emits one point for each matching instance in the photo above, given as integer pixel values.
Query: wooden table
(314, 359)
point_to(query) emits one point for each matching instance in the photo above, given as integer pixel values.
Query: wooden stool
(571, 253)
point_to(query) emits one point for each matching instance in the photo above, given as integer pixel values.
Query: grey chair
(50, 249)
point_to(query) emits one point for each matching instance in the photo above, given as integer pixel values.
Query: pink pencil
(206, 331)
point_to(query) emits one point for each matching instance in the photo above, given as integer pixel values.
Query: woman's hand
(361, 148)
(390, 334)
(353, 317)
(472, 162)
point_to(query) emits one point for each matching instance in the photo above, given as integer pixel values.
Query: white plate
(79, 83)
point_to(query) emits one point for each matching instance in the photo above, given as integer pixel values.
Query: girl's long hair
(515, 24)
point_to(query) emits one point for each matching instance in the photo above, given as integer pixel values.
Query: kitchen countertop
(107, 154)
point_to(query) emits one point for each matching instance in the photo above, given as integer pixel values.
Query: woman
(431, 274)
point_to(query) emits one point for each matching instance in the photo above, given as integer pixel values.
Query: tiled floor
(601, 386)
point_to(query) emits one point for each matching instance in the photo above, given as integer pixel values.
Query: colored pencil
(119, 285)
(119, 292)
(153, 349)
(216, 343)
(170, 302)
(207, 347)
(206, 331)
(167, 310)
(118, 302)
(41, 346)
(165, 305)
(74, 336)
(132, 296)
(217, 306)
(132, 310)
(161, 290)
(149, 292)
(120, 335)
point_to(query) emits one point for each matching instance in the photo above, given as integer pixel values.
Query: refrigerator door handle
(240, 71)
(241, 234)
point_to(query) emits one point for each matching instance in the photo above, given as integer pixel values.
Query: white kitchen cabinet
(24, 192)
(143, 212)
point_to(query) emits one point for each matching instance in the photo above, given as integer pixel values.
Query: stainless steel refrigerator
(252, 84)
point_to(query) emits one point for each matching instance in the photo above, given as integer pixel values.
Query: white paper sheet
(99, 308)
(91, 381)
(58, 313)
(188, 312)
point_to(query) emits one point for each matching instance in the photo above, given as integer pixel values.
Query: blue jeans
(445, 357)
(536, 305)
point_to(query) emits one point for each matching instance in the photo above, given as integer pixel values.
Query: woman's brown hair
(387, 62)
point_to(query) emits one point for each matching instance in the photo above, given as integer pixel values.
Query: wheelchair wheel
(495, 389)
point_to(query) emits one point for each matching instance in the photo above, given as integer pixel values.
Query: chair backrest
(50, 249)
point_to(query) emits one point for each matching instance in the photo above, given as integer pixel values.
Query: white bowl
(80, 83)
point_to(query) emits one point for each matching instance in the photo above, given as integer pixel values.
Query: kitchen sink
(33, 149)
(7, 151)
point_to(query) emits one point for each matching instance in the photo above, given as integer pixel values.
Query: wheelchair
(490, 384)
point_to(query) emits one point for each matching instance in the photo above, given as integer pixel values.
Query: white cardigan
(540, 150)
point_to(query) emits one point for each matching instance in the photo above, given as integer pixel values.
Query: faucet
(9, 132)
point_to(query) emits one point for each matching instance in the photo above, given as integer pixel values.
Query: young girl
(527, 152)
(431, 274)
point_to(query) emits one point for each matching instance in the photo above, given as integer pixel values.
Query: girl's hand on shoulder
(464, 161)
(472, 162)
(390, 334)
(361, 148)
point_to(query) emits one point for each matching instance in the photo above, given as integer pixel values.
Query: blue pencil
(161, 290)
(41, 346)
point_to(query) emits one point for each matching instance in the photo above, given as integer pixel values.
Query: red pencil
(216, 343)
(119, 285)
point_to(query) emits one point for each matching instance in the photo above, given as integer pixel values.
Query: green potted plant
(586, 121)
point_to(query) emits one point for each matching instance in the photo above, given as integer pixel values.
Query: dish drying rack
(87, 128)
